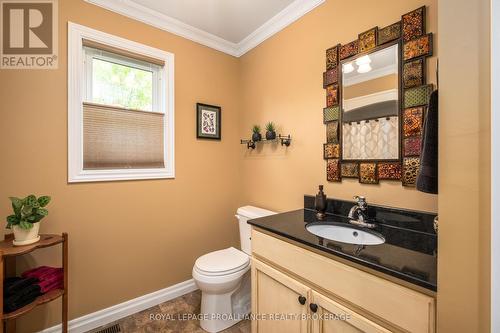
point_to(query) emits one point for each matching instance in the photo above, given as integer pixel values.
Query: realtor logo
(28, 34)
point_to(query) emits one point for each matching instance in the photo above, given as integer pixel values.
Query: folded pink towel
(49, 278)
(45, 287)
(42, 272)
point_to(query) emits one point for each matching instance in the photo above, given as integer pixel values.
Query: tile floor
(188, 304)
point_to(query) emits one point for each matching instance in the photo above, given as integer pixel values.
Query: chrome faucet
(358, 213)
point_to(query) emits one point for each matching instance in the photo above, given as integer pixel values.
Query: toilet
(223, 277)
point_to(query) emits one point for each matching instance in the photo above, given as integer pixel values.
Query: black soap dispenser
(320, 204)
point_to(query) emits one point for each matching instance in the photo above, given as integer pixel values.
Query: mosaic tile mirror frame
(415, 46)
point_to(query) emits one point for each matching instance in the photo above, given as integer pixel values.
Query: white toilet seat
(222, 262)
(218, 283)
(221, 274)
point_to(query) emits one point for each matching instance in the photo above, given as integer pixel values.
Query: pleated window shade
(117, 138)
(123, 53)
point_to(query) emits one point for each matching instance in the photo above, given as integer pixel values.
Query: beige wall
(464, 199)
(282, 82)
(126, 238)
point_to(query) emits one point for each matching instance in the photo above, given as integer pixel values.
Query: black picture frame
(200, 107)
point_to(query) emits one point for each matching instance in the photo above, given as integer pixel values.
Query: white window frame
(76, 96)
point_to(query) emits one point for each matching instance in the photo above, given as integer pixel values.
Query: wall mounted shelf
(284, 140)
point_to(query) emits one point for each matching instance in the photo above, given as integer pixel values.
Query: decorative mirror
(370, 106)
(376, 97)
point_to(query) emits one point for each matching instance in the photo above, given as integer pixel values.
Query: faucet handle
(361, 200)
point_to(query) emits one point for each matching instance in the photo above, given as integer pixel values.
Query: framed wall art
(208, 121)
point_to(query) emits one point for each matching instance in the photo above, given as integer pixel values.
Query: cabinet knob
(302, 300)
(313, 307)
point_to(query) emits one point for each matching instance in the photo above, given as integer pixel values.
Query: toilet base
(221, 311)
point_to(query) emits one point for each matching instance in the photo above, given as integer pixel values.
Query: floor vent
(114, 328)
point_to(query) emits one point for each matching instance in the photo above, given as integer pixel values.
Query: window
(117, 81)
(120, 108)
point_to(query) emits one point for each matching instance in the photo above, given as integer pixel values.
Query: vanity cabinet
(286, 305)
(332, 317)
(289, 298)
(336, 297)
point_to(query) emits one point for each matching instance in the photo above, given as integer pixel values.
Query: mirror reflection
(370, 106)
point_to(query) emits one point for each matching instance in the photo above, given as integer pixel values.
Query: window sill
(117, 175)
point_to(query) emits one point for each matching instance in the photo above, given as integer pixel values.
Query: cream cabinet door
(279, 303)
(330, 317)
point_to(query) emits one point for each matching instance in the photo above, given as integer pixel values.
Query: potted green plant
(270, 131)
(256, 136)
(28, 212)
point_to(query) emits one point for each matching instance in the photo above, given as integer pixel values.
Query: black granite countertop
(409, 252)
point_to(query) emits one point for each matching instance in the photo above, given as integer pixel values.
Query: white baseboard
(116, 312)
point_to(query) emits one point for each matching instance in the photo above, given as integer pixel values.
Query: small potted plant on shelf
(256, 136)
(25, 222)
(270, 131)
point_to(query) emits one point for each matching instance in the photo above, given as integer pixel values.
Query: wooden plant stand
(8, 254)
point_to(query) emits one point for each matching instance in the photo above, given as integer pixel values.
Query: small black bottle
(320, 204)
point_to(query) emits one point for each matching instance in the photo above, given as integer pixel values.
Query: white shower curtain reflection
(374, 139)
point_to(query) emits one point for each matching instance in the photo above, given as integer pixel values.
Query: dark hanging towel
(427, 180)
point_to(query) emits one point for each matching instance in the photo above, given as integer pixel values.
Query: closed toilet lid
(222, 262)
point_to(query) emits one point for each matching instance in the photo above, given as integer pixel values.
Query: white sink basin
(345, 234)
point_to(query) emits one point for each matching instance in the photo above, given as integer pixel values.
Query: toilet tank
(244, 214)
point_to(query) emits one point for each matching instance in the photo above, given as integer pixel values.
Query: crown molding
(287, 16)
(278, 22)
(167, 23)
